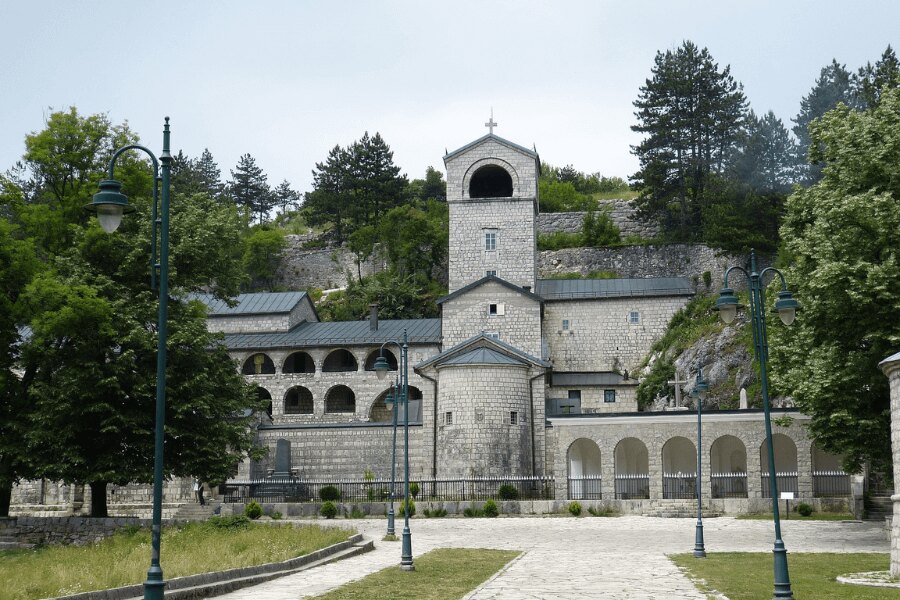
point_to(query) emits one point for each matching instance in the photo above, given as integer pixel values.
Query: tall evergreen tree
(692, 116)
(249, 188)
(766, 160)
(871, 81)
(208, 174)
(285, 197)
(329, 203)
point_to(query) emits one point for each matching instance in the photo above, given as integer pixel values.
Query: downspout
(434, 429)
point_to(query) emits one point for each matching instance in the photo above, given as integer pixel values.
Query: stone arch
(785, 465)
(477, 166)
(298, 401)
(298, 362)
(728, 467)
(679, 460)
(340, 360)
(379, 412)
(264, 394)
(828, 476)
(373, 356)
(632, 469)
(583, 459)
(258, 364)
(491, 181)
(340, 399)
(823, 460)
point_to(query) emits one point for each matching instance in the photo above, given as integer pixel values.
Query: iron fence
(632, 486)
(290, 489)
(585, 487)
(787, 482)
(830, 484)
(728, 485)
(679, 486)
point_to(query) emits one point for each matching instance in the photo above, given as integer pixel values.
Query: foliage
(285, 197)
(871, 82)
(398, 297)
(249, 188)
(253, 510)
(561, 196)
(508, 491)
(804, 509)
(490, 509)
(435, 514)
(328, 510)
(842, 237)
(192, 176)
(230, 522)
(415, 238)
(599, 230)
(276, 515)
(414, 489)
(559, 240)
(329, 492)
(433, 187)
(356, 513)
(401, 510)
(602, 512)
(574, 508)
(263, 246)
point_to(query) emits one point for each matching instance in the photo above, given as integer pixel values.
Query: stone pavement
(567, 559)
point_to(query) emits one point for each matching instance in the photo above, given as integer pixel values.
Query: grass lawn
(444, 574)
(816, 516)
(124, 558)
(748, 576)
(625, 194)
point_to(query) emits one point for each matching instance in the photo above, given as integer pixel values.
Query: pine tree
(871, 81)
(208, 174)
(327, 203)
(249, 188)
(285, 197)
(766, 161)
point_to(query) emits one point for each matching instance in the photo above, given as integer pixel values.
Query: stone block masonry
(621, 212)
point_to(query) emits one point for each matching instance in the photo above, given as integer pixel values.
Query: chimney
(373, 317)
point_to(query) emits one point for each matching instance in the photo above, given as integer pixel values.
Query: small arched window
(298, 401)
(338, 361)
(299, 362)
(340, 399)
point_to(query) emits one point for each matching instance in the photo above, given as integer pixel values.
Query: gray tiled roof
(251, 304)
(496, 138)
(576, 289)
(340, 333)
(480, 341)
(596, 378)
(486, 279)
(483, 356)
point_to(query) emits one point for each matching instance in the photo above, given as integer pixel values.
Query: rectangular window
(609, 395)
(493, 334)
(448, 418)
(490, 240)
(513, 418)
(574, 394)
(497, 309)
(565, 324)
(492, 309)
(634, 317)
(490, 273)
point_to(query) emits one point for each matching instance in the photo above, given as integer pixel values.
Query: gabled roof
(459, 352)
(484, 356)
(340, 333)
(264, 303)
(578, 289)
(497, 139)
(486, 279)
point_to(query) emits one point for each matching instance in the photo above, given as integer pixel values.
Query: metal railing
(679, 486)
(288, 489)
(585, 487)
(632, 486)
(728, 485)
(787, 482)
(830, 484)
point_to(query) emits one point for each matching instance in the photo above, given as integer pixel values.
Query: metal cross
(490, 124)
(677, 383)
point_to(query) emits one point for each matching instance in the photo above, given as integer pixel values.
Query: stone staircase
(194, 511)
(878, 508)
(8, 538)
(677, 509)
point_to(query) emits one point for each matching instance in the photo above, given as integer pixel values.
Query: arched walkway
(380, 413)
(679, 459)
(373, 356)
(264, 394)
(785, 465)
(829, 478)
(299, 362)
(258, 364)
(584, 470)
(340, 399)
(340, 361)
(298, 401)
(728, 466)
(632, 469)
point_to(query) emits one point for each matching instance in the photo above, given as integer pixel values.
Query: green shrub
(508, 491)
(414, 490)
(602, 512)
(559, 240)
(276, 515)
(412, 508)
(436, 513)
(329, 493)
(804, 509)
(328, 510)
(232, 522)
(707, 279)
(253, 510)
(490, 509)
(575, 508)
(471, 512)
(599, 230)
(356, 513)
(602, 275)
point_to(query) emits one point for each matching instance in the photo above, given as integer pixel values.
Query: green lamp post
(392, 401)
(786, 307)
(110, 205)
(381, 369)
(699, 394)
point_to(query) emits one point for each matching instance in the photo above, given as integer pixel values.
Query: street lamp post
(381, 368)
(110, 204)
(786, 307)
(699, 394)
(392, 401)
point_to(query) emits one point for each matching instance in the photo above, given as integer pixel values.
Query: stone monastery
(519, 377)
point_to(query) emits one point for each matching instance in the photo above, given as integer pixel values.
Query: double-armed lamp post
(786, 307)
(699, 395)
(381, 369)
(110, 205)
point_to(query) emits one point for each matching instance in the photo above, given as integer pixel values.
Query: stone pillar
(891, 368)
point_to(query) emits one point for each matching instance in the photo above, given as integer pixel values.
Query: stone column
(891, 368)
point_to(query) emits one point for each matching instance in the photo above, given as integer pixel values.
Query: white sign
(787, 495)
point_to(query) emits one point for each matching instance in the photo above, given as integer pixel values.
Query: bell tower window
(491, 181)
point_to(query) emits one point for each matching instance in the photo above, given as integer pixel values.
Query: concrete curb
(204, 585)
(503, 570)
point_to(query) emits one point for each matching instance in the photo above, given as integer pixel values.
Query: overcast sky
(286, 81)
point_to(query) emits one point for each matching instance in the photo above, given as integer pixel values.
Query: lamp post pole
(699, 393)
(786, 307)
(391, 535)
(381, 368)
(110, 205)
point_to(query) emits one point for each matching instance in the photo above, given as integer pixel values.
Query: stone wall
(891, 368)
(65, 530)
(324, 268)
(621, 212)
(593, 400)
(670, 260)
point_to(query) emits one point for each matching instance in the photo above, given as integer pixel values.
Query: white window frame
(513, 417)
(448, 417)
(566, 324)
(492, 334)
(634, 317)
(490, 240)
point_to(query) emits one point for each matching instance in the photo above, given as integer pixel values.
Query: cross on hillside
(490, 124)
(677, 383)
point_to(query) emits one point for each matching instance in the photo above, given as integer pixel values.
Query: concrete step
(197, 512)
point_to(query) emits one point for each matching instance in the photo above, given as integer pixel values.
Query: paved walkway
(568, 559)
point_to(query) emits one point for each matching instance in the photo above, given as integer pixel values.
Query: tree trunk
(5, 499)
(98, 499)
